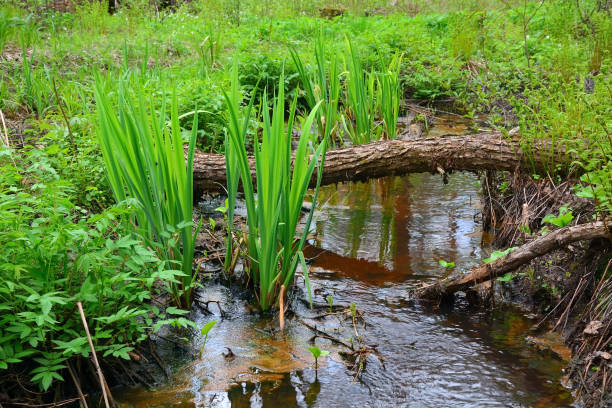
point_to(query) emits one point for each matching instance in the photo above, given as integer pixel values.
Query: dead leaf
(593, 327)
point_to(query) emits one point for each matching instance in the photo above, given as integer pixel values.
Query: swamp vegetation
(322, 203)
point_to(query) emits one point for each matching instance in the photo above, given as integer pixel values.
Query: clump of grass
(145, 162)
(273, 214)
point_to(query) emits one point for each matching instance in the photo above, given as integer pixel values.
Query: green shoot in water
(207, 327)
(145, 161)
(316, 353)
(272, 214)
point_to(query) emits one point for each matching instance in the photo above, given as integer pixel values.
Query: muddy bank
(570, 288)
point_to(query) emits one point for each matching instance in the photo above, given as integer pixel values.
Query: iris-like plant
(389, 95)
(273, 215)
(361, 104)
(321, 87)
(145, 161)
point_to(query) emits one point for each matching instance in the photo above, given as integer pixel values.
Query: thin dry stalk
(281, 302)
(95, 358)
(5, 138)
(77, 385)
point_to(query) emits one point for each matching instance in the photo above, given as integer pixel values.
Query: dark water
(374, 242)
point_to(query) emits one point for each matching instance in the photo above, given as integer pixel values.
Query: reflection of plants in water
(312, 393)
(316, 353)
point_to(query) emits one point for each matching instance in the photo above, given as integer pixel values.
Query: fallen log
(531, 250)
(483, 151)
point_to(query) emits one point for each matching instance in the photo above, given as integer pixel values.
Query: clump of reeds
(274, 201)
(145, 162)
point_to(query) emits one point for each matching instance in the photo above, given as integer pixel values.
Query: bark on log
(538, 247)
(484, 151)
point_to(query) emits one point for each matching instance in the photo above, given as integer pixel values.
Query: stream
(372, 243)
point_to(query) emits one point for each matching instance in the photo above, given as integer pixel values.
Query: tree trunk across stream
(482, 151)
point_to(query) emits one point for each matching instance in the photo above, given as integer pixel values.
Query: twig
(281, 303)
(95, 358)
(76, 384)
(51, 404)
(323, 334)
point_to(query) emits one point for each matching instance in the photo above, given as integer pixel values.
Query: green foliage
(272, 218)
(564, 218)
(506, 278)
(55, 254)
(321, 88)
(445, 264)
(316, 353)
(495, 255)
(360, 106)
(145, 161)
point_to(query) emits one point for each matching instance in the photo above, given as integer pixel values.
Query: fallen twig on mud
(537, 247)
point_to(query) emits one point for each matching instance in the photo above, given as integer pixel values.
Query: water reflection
(404, 224)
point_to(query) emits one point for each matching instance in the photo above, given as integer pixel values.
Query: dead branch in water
(536, 248)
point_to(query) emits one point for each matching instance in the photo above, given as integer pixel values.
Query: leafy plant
(506, 278)
(55, 254)
(498, 254)
(145, 161)
(445, 264)
(273, 215)
(330, 302)
(389, 96)
(316, 353)
(321, 88)
(564, 218)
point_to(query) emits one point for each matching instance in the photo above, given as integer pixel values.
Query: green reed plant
(145, 161)
(323, 86)
(273, 214)
(389, 95)
(361, 105)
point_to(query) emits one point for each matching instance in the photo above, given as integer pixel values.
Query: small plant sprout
(330, 302)
(506, 278)
(204, 333)
(316, 353)
(445, 264)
